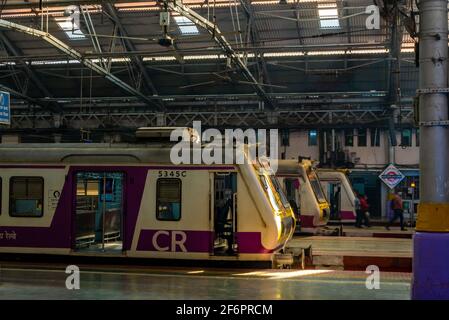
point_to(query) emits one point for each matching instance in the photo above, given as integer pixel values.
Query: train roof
(292, 167)
(86, 153)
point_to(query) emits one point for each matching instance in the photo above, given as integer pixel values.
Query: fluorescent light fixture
(328, 16)
(72, 31)
(186, 26)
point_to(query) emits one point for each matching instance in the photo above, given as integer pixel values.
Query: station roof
(292, 48)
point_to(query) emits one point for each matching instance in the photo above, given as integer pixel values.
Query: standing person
(364, 207)
(398, 209)
(358, 211)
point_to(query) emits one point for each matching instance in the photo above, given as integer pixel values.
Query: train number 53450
(171, 174)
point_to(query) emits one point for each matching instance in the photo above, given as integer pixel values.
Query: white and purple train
(131, 201)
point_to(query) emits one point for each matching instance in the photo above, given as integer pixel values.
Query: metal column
(431, 250)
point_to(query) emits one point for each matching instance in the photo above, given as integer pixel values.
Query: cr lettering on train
(177, 241)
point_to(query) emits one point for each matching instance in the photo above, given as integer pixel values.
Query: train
(130, 200)
(340, 193)
(302, 187)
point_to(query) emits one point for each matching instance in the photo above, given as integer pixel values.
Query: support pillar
(431, 242)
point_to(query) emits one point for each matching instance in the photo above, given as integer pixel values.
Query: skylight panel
(328, 16)
(186, 26)
(71, 30)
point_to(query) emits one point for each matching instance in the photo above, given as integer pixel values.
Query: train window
(168, 199)
(26, 196)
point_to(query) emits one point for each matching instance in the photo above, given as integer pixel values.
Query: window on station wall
(313, 137)
(285, 137)
(406, 137)
(349, 137)
(361, 138)
(417, 137)
(375, 137)
(168, 199)
(26, 197)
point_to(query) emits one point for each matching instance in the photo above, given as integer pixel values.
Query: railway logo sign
(391, 176)
(5, 110)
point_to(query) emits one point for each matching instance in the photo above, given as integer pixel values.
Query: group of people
(362, 213)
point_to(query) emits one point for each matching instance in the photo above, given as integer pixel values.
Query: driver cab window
(168, 199)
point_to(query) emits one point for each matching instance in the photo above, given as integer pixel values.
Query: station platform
(47, 281)
(356, 253)
(378, 232)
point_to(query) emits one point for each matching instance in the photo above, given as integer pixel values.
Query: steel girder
(226, 119)
(199, 20)
(77, 56)
(129, 45)
(11, 47)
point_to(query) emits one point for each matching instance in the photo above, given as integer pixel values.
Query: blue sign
(5, 108)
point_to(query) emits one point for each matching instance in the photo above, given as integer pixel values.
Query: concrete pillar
(431, 249)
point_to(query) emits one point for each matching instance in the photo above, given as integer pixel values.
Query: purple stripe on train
(61, 232)
(195, 241)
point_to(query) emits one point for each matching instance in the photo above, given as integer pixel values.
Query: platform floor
(356, 246)
(378, 232)
(40, 281)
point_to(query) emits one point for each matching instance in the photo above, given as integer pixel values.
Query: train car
(303, 190)
(340, 194)
(131, 201)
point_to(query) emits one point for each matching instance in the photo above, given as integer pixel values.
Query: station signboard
(5, 108)
(391, 176)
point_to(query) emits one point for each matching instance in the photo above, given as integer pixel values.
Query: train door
(99, 211)
(334, 196)
(224, 205)
(293, 195)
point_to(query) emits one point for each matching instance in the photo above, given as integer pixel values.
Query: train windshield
(277, 197)
(271, 195)
(278, 188)
(316, 186)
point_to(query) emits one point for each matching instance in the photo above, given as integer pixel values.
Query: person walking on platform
(398, 209)
(364, 207)
(358, 211)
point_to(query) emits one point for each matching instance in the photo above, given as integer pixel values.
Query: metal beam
(255, 39)
(130, 47)
(11, 47)
(22, 96)
(199, 20)
(77, 56)
(229, 117)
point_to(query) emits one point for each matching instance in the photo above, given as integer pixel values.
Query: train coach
(131, 201)
(303, 189)
(340, 194)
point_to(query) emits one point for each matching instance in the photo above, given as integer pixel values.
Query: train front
(322, 203)
(282, 218)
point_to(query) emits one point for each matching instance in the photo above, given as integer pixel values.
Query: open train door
(98, 215)
(224, 213)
